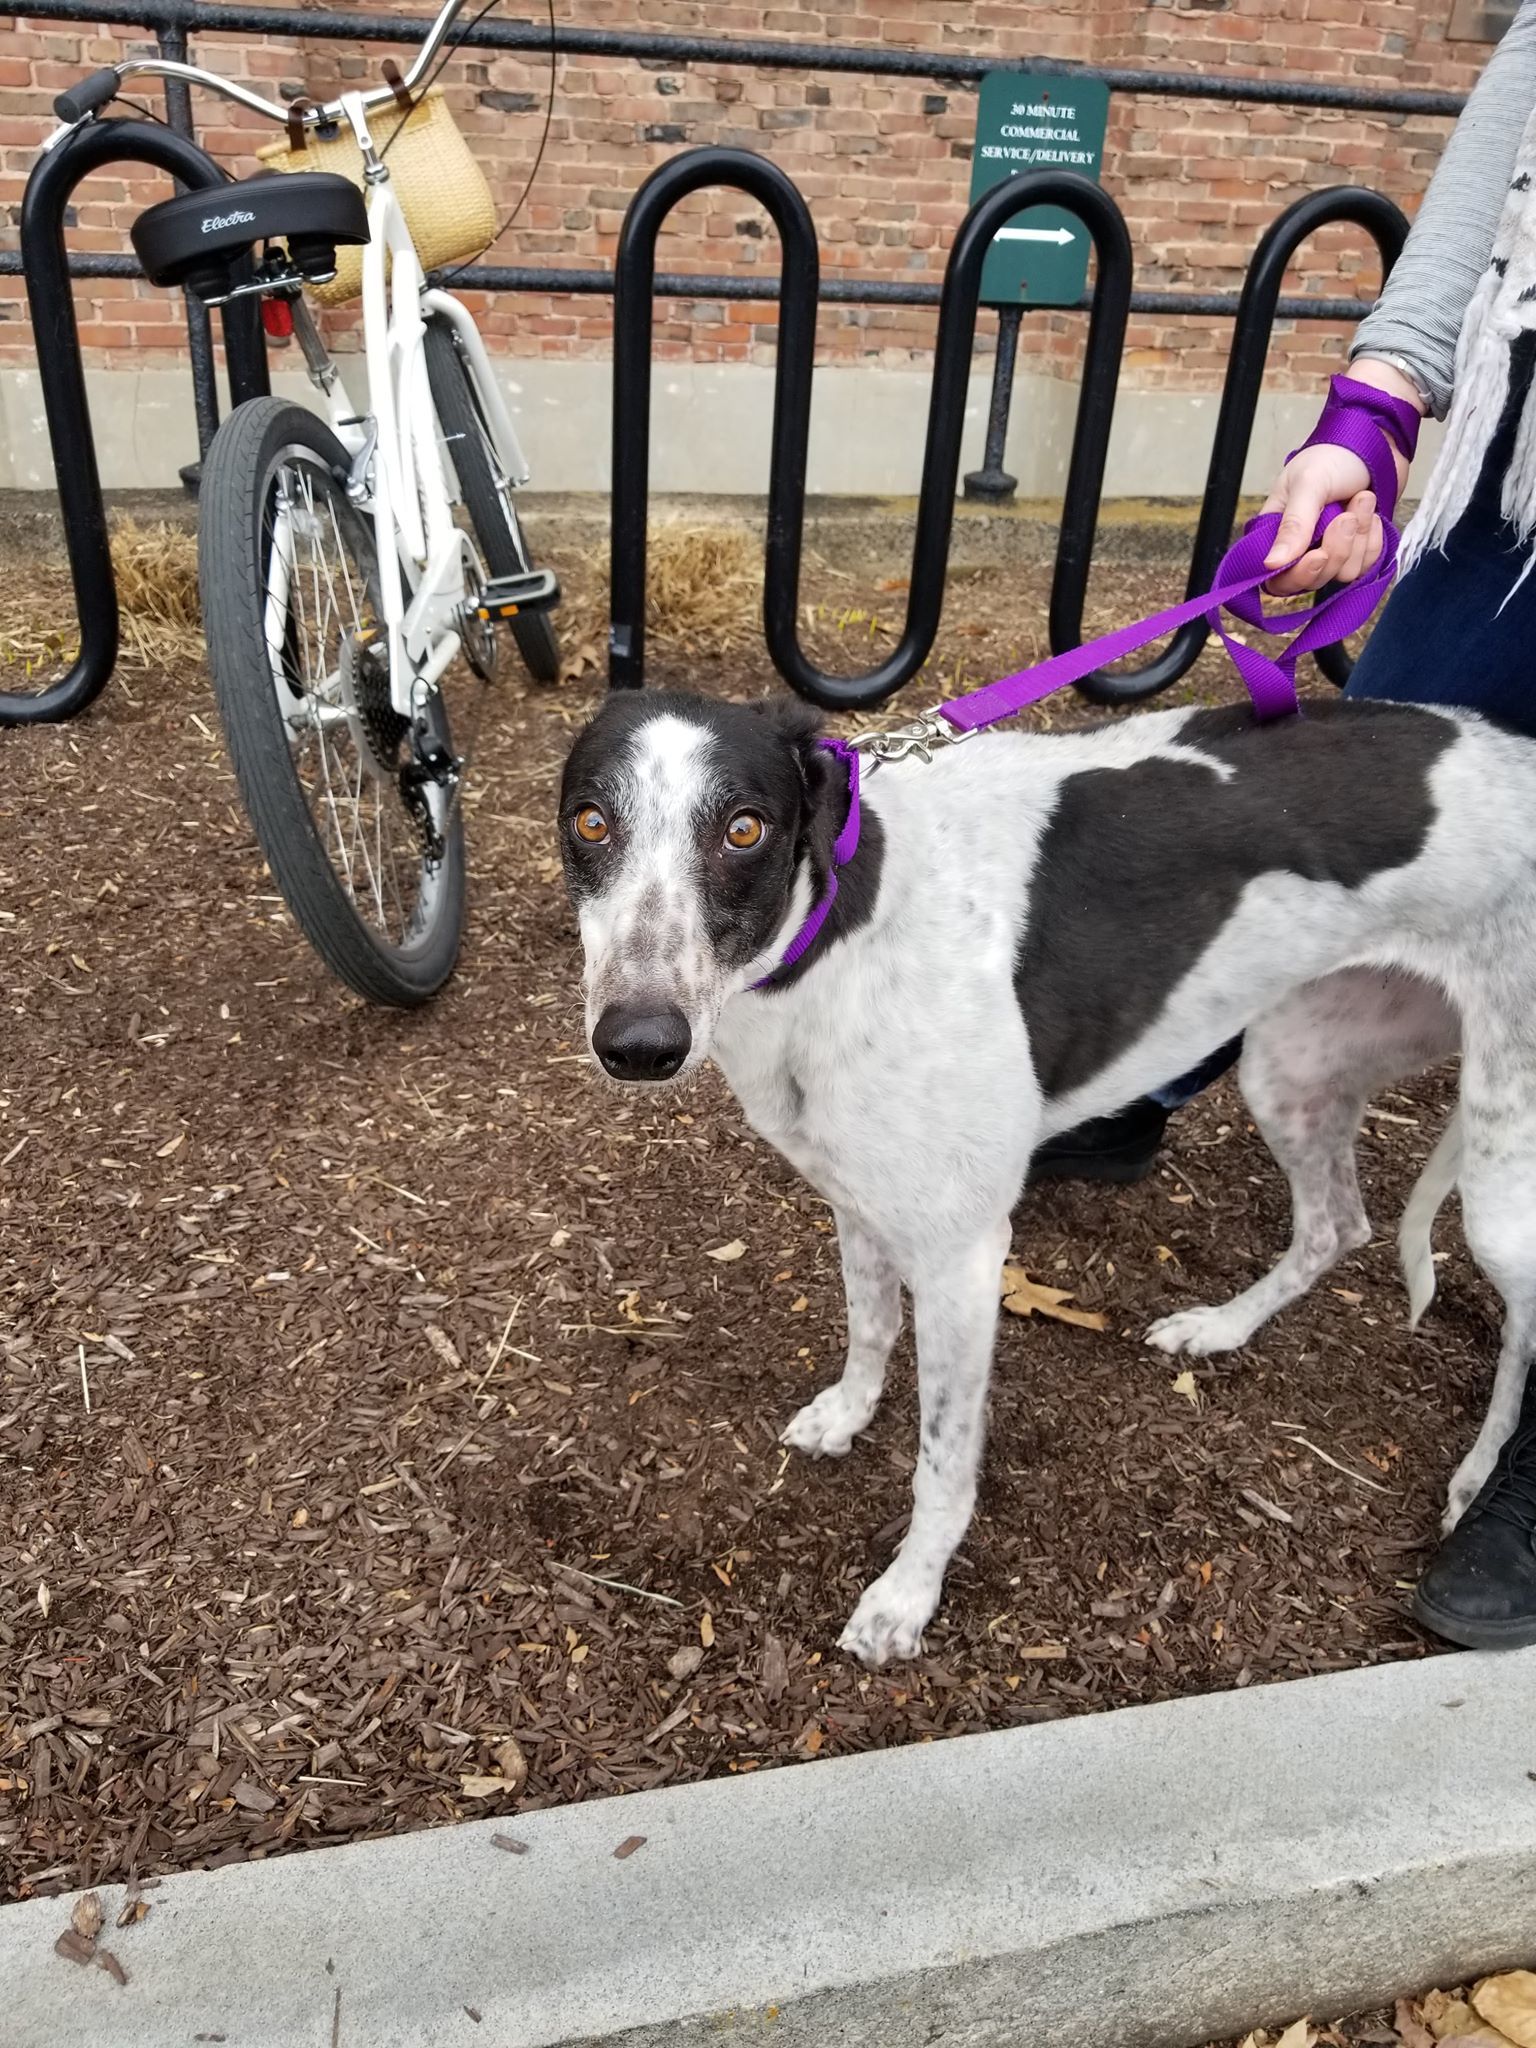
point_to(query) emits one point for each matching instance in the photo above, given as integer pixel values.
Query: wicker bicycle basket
(441, 188)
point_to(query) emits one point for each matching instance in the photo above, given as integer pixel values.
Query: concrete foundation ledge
(1148, 1878)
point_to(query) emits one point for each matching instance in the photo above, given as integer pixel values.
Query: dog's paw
(887, 1625)
(827, 1426)
(1200, 1331)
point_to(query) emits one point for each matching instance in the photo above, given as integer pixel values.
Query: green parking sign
(1025, 123)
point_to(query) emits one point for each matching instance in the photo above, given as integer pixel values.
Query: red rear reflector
(277, 319)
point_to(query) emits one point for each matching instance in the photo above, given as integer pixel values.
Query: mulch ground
(380, 1445)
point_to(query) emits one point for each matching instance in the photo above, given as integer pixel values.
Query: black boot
(1122, 1147)
(1480, 1588)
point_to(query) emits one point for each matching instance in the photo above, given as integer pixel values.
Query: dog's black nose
(641, 1045)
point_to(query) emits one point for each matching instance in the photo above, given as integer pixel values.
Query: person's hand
(1312, 479)
(1318, 477)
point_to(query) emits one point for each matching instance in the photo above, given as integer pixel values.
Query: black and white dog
(1036, 930)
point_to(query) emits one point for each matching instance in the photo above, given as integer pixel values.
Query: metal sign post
(1024, 123)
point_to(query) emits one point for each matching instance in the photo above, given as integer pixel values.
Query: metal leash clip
(931, 729)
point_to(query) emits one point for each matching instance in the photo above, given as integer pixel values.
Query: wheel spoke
(321, 628)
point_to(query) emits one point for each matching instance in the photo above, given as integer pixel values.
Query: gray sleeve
(1419, 313)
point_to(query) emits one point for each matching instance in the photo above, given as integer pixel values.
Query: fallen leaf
(476, 1787)
(1298, 2035)
(723, 1254)
(1185, 1385)
(684, 1662)
(44, 1599)
(1458, 2021)
(1508, 2002)
(707, 1629)
(512, 1764)
(1025, 1297)
(74, 1948)
(171, 1145)
(87, 1916)
(134, 1910)
(1411, 2030)
(799, 1305)
(628, 1847)
(811, 1740)
(510, 1843)
(105, 1960)
(1165, 1253)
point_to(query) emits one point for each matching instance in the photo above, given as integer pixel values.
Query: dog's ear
(796, 722)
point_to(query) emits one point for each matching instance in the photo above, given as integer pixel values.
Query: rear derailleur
(430, 775)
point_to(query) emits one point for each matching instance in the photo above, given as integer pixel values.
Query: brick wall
(883, 163)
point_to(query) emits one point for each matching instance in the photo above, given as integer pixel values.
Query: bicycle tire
(487, 500)
(258, 442)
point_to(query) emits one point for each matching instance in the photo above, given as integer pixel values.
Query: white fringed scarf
(1501, 309)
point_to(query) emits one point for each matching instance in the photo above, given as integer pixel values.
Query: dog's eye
(745, 831)
(590, 824)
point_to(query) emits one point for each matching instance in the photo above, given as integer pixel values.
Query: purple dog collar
(1370, 424)
(844, 847)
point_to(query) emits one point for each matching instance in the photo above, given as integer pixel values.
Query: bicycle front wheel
(486, 491)
(289, 579)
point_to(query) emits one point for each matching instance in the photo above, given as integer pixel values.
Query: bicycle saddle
(197, 238)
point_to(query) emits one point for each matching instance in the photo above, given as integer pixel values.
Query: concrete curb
(1148, 1878)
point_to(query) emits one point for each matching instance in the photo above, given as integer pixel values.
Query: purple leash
(1367, 422)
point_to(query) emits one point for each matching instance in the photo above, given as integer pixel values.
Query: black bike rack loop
(61, 372)
(1387, 226)
(633, 305)
(764, 181)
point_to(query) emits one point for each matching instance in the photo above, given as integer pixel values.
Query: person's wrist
(1385, 376)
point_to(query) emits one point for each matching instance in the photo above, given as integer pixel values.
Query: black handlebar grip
(89, 96)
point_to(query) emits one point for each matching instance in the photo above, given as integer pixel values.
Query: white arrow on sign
(1035, 235)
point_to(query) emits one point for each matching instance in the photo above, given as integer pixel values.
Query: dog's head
(692, 833)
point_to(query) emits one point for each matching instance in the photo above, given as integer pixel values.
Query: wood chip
(105, 1960)
(628, 1847)
(684, 1662)
(75, 1948)
(510, 1843)
(252, 1797)
(1266, 1506)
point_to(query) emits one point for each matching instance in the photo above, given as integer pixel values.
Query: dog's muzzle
(641, 1045)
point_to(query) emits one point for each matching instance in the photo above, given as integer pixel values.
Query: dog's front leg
(827, 1426)
(955, 1300)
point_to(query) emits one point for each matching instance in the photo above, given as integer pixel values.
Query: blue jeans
(1447, 635)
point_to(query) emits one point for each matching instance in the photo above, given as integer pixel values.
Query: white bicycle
(338, 584)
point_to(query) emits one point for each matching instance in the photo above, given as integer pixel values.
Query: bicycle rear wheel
(361, 848)
(486, 491)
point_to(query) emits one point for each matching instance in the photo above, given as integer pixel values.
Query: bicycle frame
(424, 557)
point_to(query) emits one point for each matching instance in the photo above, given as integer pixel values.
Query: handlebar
(93, 93)
(88, 97)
